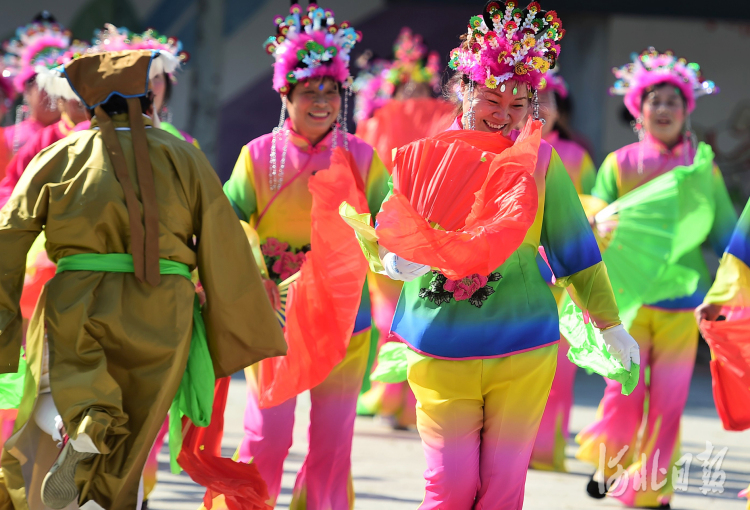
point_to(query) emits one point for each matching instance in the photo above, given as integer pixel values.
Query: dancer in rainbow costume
(549, 448)
(478, 318)
(660, 92)
(729, 297)
(395, 105)
(41, 42)
(270, 188)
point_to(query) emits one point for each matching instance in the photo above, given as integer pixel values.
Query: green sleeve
(240, 188)
(377, 184)
(566, 235)
(588, 174)
(606, 186)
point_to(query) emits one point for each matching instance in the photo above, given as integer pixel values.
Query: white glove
(401, 269)
(621, 345)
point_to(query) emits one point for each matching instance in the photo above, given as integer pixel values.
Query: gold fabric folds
(118, 346)
(145, 242)
(95, 77)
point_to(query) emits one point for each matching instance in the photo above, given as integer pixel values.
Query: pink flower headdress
(113, 38)
(555, 83)
(413, 63)
(41, 43)
(372, 89)
(310, 45)
(652, 68)
(509, 43)
(49, 78)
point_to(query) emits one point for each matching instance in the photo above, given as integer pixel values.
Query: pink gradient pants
(553, 435)
(152, 463)
(478, 420)
(668, 342)
(324, 482)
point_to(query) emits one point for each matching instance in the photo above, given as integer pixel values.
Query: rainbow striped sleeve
(240, 188)
(377, 187)
(725, 216)
(739, 245)
(732, 284)
(606, 186)
(566, 235)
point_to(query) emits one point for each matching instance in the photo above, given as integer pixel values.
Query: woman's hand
(708, 312)
(401, 269)
(273, 293)
(621, 346)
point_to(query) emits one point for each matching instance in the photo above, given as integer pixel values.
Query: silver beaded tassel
(471, 116)
(535, 106)
(22, 113)
(638, 128)
(341, 121)
(276, 177)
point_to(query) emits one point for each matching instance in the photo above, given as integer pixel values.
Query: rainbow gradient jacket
(282, 218)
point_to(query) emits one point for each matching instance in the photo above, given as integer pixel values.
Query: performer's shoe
(59, 486)
(594, 489)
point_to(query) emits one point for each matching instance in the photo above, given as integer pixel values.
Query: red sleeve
(23, 157)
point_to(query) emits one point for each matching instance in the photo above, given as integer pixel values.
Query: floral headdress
(652, 68)
(555, 83)
(41, 43)
(413, 63)
(509, 43)
(49, 79)
(113, 38)
(310, 45)
(372, 89)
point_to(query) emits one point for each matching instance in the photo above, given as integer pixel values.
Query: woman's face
(74, 109)
(313, 107)
(159, 88)
(496, 110)
(40, 105)
(548, 111)
(664, 114)
(412, 90)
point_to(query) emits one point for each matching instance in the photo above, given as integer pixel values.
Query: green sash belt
(195, 395)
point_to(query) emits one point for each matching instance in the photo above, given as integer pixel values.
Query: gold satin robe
(118, 347)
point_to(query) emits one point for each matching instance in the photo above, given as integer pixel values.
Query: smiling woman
(660, 91)
(664, 113)
(483, 337)
(500, 109)
(313, 107)
(275, 187)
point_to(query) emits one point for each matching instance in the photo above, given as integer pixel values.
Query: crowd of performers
(416, 270)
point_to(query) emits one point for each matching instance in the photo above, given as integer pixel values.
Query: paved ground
(387, 465)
